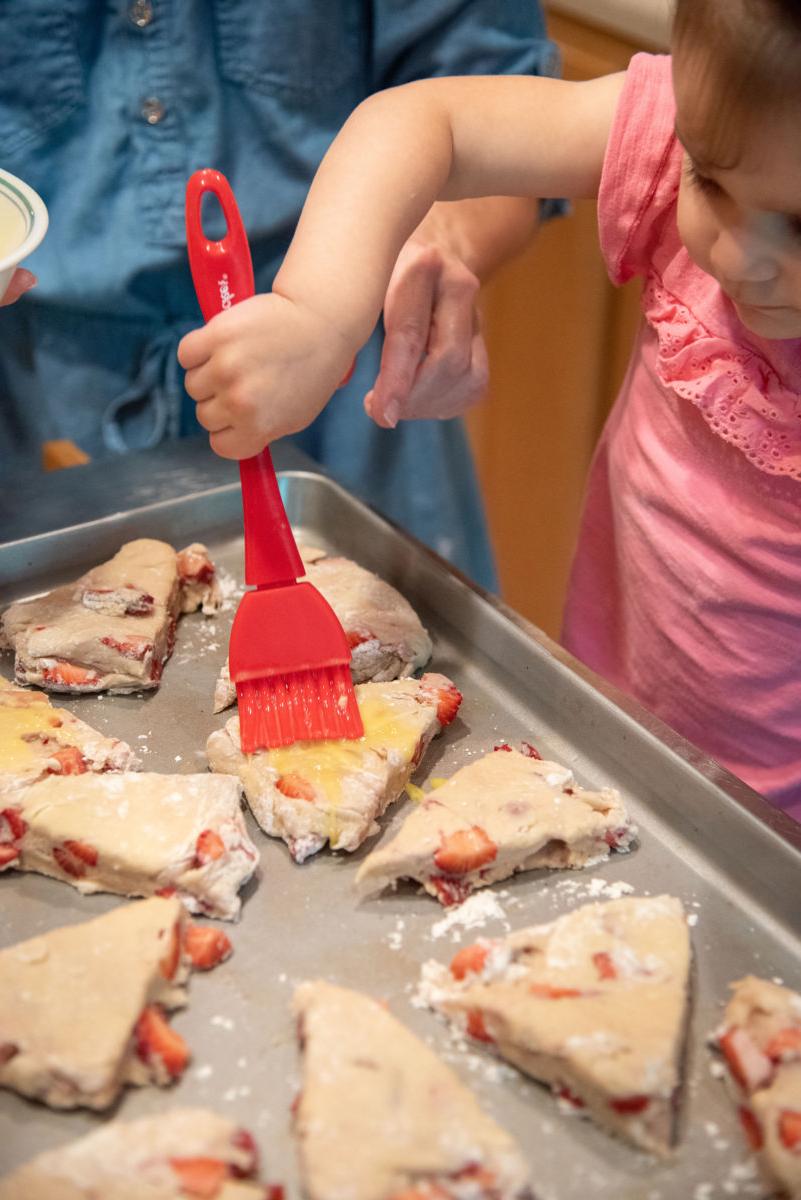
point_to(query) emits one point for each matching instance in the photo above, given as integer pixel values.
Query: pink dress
(686, 586)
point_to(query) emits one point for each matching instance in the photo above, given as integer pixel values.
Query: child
(686, 587)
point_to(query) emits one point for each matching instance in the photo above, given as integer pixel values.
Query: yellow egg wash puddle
(15, 754)
(324, 764)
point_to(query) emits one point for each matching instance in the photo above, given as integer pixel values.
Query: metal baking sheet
(704, 837)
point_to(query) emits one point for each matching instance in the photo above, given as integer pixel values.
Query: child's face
(742, 224)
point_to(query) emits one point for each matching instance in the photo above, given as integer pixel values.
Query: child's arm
(268, 366)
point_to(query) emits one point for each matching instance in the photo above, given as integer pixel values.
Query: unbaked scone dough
(385, 634)
(138, 835)
(594, 1004)
(152, 1158)
(380, 1116)
(504, 813)
(114, 628)
(760, 1039)
(82, 1007)
(334, 791)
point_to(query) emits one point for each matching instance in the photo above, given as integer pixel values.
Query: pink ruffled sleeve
(640, 177)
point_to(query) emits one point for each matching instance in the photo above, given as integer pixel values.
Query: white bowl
(23, 224)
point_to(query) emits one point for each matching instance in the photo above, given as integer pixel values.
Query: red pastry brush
(288, 656)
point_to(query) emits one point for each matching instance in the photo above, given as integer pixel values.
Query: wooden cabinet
(559, 337)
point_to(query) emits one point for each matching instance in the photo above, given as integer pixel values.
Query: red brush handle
(222, 273)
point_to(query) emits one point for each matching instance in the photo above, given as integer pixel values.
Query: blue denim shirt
(106, 108)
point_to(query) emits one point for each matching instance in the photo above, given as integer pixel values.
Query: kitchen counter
(646, 23)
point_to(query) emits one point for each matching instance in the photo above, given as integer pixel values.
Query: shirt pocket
(289, 48)
(42, 80)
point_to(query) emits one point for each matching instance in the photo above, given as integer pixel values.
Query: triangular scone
(185, 1152)
(37, 740)
(760, 1039)
(137, 835)
(114, 628)
(594, 1004)
(82, 1007)
(317, 792)
(504, 813)
(379, 1116)
(386, 637)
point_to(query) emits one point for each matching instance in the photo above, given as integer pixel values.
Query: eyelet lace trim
(736, 391)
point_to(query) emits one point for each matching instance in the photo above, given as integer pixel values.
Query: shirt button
(153, 110)
(141, 13)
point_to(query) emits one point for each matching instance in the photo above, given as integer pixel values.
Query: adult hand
(21, 281)
(434, 361)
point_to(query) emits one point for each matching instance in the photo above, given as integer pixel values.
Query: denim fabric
(258, 90)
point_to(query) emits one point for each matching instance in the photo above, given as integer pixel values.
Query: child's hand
(262, 369)
(434, 362)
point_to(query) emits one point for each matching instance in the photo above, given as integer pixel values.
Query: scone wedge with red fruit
(594, 1004)
(505, 812)
(136, 835)
(114, 628)
(37, 740)
(386, 637)
(82, 1008)
(760, 1040)
(380, 1117)
(334, 791)
(178, 1154)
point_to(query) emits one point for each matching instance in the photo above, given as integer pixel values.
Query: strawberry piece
(450, 891)
(16, 825)
(790, 1129)
(604, 965)
(206, 947)
(748, 1065)
(630, 1104)
(156, 1039)
(570, 1097)
(449, 700)
(69, 674)
(166, 892)
(8, 854)
(295, 786)
(82, 851)
(476, 1027)
(530, 751)
(200, 1176)
(358, 639)
(465, 850)
(136, 648)
(244, 1141)
(69, 865)
(470, 959)
(194, 566)
(208, 847)
(274, 1191)
(503, 746)
(169, 963)
(784, 1044)
(70, 762)
(550, 991)
(751, 1127)
(615, 838)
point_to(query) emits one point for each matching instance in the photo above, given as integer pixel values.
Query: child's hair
(745, 56)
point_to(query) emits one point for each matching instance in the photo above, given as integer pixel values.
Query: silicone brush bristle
(277, 710)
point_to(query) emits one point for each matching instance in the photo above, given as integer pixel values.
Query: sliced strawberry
(570, 1097)
(469, 960)
(194, 566)
(295, 786)
(630, 1104)
(156, 1039)
(136, 648)
(200, 1176)
(358, 639)
(206, 947)
(476, 1027)
(784, 1044)
(465, 850)
(274, 1191)
(169, 963)
(450, 891)
(82, 851)
(69, 674)
(166, 892)
(68, 863)
(244, 1141)
(70, 762)
(748, 1065)
(751, 1127)
(604, 965)
(208, 847)
(16, 825)
(503, 746)
(790, 1129)
(615, 838)
(8, 854)
(549, 991)
(448, 701)
(530, 751)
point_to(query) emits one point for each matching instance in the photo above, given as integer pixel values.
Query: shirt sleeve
(641, 171)
(420, 39)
